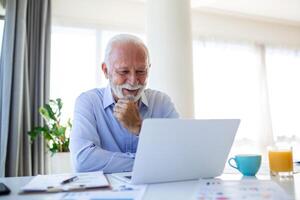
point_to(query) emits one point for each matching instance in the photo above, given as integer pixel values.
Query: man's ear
(105, 70)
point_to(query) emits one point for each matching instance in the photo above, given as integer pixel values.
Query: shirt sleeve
(85, 143)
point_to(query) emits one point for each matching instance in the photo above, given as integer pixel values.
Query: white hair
(123, 39)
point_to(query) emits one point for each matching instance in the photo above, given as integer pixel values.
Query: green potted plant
(56, 135)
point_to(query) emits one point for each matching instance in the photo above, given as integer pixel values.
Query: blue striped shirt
(98, 141)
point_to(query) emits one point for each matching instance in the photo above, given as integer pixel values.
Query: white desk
(174, 191)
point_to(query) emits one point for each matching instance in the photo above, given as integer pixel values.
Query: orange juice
(281, 161)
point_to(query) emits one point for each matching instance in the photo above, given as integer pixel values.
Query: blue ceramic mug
(247, 164)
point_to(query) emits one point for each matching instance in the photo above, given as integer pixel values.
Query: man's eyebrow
(122, 68)
(141, 67)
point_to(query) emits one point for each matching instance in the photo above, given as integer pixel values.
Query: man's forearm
(94, 158)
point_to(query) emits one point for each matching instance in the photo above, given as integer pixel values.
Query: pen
(69, 180)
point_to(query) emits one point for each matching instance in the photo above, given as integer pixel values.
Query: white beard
(117, 90)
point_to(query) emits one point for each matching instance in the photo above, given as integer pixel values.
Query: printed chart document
(53, 183)
(239, 189)
(123, 192)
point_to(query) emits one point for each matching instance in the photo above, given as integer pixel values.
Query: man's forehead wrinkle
(126, 49)
(125, 61)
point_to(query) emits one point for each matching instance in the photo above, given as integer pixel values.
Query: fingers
(121, 108)
(124, 104)
(119, 116)
(123, 101)
(127, 113)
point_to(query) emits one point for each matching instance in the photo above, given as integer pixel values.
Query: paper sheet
(215, 189)
(123, 192)
(85, 180)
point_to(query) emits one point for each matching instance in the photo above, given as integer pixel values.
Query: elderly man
(107, 121)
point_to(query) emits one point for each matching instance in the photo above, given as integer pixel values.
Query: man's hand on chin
(127, 112)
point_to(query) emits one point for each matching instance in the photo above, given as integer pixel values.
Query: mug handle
(232, 164)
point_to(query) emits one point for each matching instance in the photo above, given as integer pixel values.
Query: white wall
(112, 14)
(240, 28)
(130, 15)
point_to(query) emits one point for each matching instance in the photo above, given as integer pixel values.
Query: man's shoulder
(160, 104)
(152, 92)
(96, 93)
(155, 94)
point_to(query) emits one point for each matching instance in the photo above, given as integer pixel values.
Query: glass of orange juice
(281, 160)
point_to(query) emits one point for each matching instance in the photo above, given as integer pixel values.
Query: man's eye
(123, 72)
(141, 72)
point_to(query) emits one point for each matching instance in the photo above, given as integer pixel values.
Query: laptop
(181, 149)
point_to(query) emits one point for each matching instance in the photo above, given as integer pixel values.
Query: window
(256, 84)
(283, 72)
(73, 65)
(227, 82)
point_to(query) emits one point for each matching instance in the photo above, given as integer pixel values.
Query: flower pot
(60, 163)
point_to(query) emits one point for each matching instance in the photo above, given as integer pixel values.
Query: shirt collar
(108, 97)
(144, 99)
(109, 100)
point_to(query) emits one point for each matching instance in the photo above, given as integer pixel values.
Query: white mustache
(117, 90)
(131, 87)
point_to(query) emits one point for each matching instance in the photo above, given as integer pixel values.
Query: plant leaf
(54, 132)
(50, 112)
(59, 103)
(61, 130)
(45, 114)
(69, 123)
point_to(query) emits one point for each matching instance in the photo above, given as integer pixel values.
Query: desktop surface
(173, 190)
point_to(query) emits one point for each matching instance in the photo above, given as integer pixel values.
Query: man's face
(128, 71)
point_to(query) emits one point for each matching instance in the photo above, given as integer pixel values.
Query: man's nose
(132, 79)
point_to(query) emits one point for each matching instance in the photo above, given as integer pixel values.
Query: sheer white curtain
(230, 82)
(73, 64)
(283, 70)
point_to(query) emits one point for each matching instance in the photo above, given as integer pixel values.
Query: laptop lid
(182, 149)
